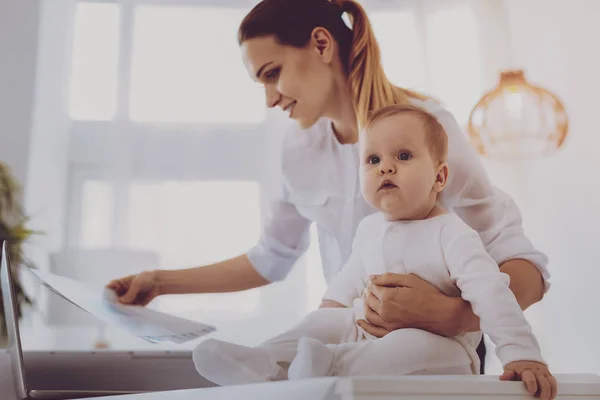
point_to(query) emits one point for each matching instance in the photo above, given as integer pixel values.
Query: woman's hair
(437, 139)
(291, 22)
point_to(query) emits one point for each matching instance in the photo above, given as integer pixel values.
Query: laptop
(80, 374)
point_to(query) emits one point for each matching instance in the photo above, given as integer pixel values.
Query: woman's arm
(284, 239)
(526, 281)
(232, 275)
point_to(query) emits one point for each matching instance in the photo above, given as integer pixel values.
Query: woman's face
(299, 80)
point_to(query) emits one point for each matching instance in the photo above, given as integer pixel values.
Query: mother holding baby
(328, 77)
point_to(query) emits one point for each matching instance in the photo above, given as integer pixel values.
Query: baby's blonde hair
(437, 139)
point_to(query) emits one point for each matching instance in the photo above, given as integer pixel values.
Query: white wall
(18, 51)
(34, 55)
(47, 178)
(558, 44)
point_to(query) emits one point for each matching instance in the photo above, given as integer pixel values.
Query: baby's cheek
(366, 184)
(420, 184)
(371, 198)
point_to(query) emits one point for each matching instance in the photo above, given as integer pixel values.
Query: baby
(403, 153)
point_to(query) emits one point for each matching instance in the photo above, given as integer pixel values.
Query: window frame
(94, 142)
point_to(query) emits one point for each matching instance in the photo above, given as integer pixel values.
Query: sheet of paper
(151, 325)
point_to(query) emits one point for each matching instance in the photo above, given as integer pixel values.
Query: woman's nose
(272, 95)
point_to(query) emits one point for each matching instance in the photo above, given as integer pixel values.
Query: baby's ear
(442, 177)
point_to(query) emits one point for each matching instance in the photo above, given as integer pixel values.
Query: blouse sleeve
(284, 239)
(485, 208)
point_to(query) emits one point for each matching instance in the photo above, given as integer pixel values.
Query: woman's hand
(137, 290)
(395, 301)
(537, 378)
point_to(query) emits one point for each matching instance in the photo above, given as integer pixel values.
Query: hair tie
(343, 7)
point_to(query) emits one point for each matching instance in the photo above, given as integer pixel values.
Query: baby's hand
(536, 376)
(331, 304)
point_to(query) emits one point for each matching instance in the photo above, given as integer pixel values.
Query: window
(196, 223)
(401, 50)
(186, 223)
(179, 146)
(454, 59)
(94, 64)
(96, 214)
(193, 222)
(187, 67)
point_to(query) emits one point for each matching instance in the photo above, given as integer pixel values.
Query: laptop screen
(9, 301)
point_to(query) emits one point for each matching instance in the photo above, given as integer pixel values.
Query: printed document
(151, 325)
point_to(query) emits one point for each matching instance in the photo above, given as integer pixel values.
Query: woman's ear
(323, 43)
(441, 178)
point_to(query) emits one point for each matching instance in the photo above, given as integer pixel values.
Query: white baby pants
(327, 342)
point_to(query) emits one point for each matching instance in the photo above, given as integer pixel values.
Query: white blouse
(320, 184)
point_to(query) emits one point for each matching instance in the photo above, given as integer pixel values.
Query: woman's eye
(374, 160)
(272, 74)
(404, 156)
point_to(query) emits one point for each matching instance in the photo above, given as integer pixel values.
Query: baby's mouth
(387, 185)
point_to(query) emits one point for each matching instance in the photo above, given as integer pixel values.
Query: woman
(328, 77)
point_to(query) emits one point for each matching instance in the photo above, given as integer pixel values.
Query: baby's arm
(486, 288)
(347, 285)
(483, 285)
(351, 280)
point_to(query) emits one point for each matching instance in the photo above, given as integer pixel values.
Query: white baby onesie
(443, 251)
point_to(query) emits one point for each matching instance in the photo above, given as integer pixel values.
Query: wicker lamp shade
(517, 119)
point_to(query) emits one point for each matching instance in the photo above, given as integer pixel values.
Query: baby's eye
(404, 156)
(374, 160)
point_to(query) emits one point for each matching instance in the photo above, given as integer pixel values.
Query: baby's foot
(314, 359)
(230, 364)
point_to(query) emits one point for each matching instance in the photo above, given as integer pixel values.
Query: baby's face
(397, 172)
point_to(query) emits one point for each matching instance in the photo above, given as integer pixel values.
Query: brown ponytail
(371, 88)
(292, 22)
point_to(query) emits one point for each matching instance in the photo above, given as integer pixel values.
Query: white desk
(109, 370)
(571, 387)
